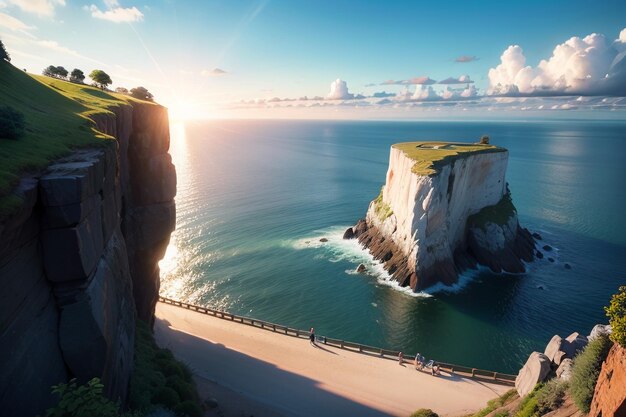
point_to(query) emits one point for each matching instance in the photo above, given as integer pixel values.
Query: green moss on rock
(498, 213)
(383, 211)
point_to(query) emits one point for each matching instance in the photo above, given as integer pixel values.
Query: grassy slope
(58, 119)
(428, 160)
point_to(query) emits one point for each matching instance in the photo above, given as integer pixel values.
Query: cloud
(339, 91)
(425, 93)
(413, 81)
(371, 85)
(382, 94)
(54, 45)
(587, 66)
(215, 72)
(116, 13)
(13, 24)
(466, 58)
(463, 79)
(38, 7)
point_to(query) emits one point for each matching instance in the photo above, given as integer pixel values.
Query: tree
(50, 71)
(4, 55)
(101, 78)
(77, 76)
(141, 93)
(61, 72)
(616, 311)
(11, 123)
(121, 90)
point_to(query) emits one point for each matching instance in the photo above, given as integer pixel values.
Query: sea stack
(445, 207)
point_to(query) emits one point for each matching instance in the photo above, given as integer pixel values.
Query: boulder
(361, 269)
(559, 349)
(564, 371)
(599, 330)
(553, 348)
(323, 240)
(575, 343)
(535, 370)
(349, 233)
(547, 248)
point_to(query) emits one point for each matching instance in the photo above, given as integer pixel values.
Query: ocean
(255, 197)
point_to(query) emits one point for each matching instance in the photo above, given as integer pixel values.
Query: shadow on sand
(288, 393)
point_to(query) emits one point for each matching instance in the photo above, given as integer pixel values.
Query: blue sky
(289, 49)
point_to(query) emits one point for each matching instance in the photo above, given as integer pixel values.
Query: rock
(553, 347)
(361, 269)
(349, 233)
(567, 266)
(536, 236)
(598, 330)
(609, 398)
(547, 248)
(360, 228)
(551, 259)
(211, 403)
(559, 349)
(535, 370)
(575, 343)
(539, 255)
(540, 287)
(564, 371)
(323, 240)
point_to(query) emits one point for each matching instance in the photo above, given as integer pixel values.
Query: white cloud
(215, 72)
(38, 7)
(587, 66)
(54, 45)
(116, 13)
(339, 91)
(12, 23)
(425, 93)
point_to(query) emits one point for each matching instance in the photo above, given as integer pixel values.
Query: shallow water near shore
(255, 198)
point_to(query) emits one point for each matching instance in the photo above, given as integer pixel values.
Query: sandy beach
(251, 371)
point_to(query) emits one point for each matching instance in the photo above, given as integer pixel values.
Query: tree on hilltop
(141, 93)
(55, 72)
(4, 55)
(121, 90)
(101, 78)
(62, 72)
(77, 76)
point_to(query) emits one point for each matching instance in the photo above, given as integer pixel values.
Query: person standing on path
(400, 359)
(312, 336)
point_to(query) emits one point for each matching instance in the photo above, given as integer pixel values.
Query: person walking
(312, 336)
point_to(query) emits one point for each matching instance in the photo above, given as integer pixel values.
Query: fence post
(473, 372)
(273, 327)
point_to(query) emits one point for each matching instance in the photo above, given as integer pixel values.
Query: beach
(257, 372)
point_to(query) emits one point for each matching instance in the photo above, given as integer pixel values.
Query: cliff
(444, 207)
(609, 398)
(78, 260)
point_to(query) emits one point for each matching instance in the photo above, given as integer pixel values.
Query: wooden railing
(474, 373)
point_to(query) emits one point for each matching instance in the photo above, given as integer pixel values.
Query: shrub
(424, 412)
(191, 409)
(528, 407)
(616, 312)
(82, 401)
(503, 413)
(585, 371)
(550, 396)
(11, 123)
(167, 397)
(502, 400)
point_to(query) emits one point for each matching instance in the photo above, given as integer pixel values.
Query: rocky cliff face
(78, 263)
(428, 228)
(609, 398)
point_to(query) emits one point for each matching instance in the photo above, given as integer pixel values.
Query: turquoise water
(255, 197)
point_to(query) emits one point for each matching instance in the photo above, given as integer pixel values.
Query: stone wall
(78, 263)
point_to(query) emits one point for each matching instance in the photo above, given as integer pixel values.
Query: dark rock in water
(547, 248)
(551, 259)
(360, 228)
(361, 269)
(323, 240)
(349, 233)
(536, 236)
(540, 287)
(567, 266)
(210, 403)
(539, 255)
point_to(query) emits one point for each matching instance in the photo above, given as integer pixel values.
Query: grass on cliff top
(58, 118)
(429, 157)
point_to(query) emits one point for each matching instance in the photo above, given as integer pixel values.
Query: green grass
(58, 117)
(498, 213)
(383, 211)
(429, 157)
(496, 403)
(585, 371)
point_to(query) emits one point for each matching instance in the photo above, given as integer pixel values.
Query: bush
(550, 396)
(167, 397)
(528, 407)
(424, 412)
(503, 413)
(82, 401)
(191, 409)
(616, 312)
(585, 371)
(502, 400)
(11, 123)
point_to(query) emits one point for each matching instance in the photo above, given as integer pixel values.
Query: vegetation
(429, 157)
(82, 401)
(159, 379)
(424, 412)
(616, 312)
(55, 72)
(101, 78)
(484, 140)
(121, 90)
(4, 55)
(498, 213)
(11, 123)
(77, 76)
(383, 211)
(585, 371)
(141, 93)
(551, 396)
(496, 403)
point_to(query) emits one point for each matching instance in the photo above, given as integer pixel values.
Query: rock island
(445, 207)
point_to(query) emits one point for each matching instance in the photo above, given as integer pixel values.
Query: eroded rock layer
(427, 229)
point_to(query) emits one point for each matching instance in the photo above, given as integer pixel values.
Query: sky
(338, 59)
